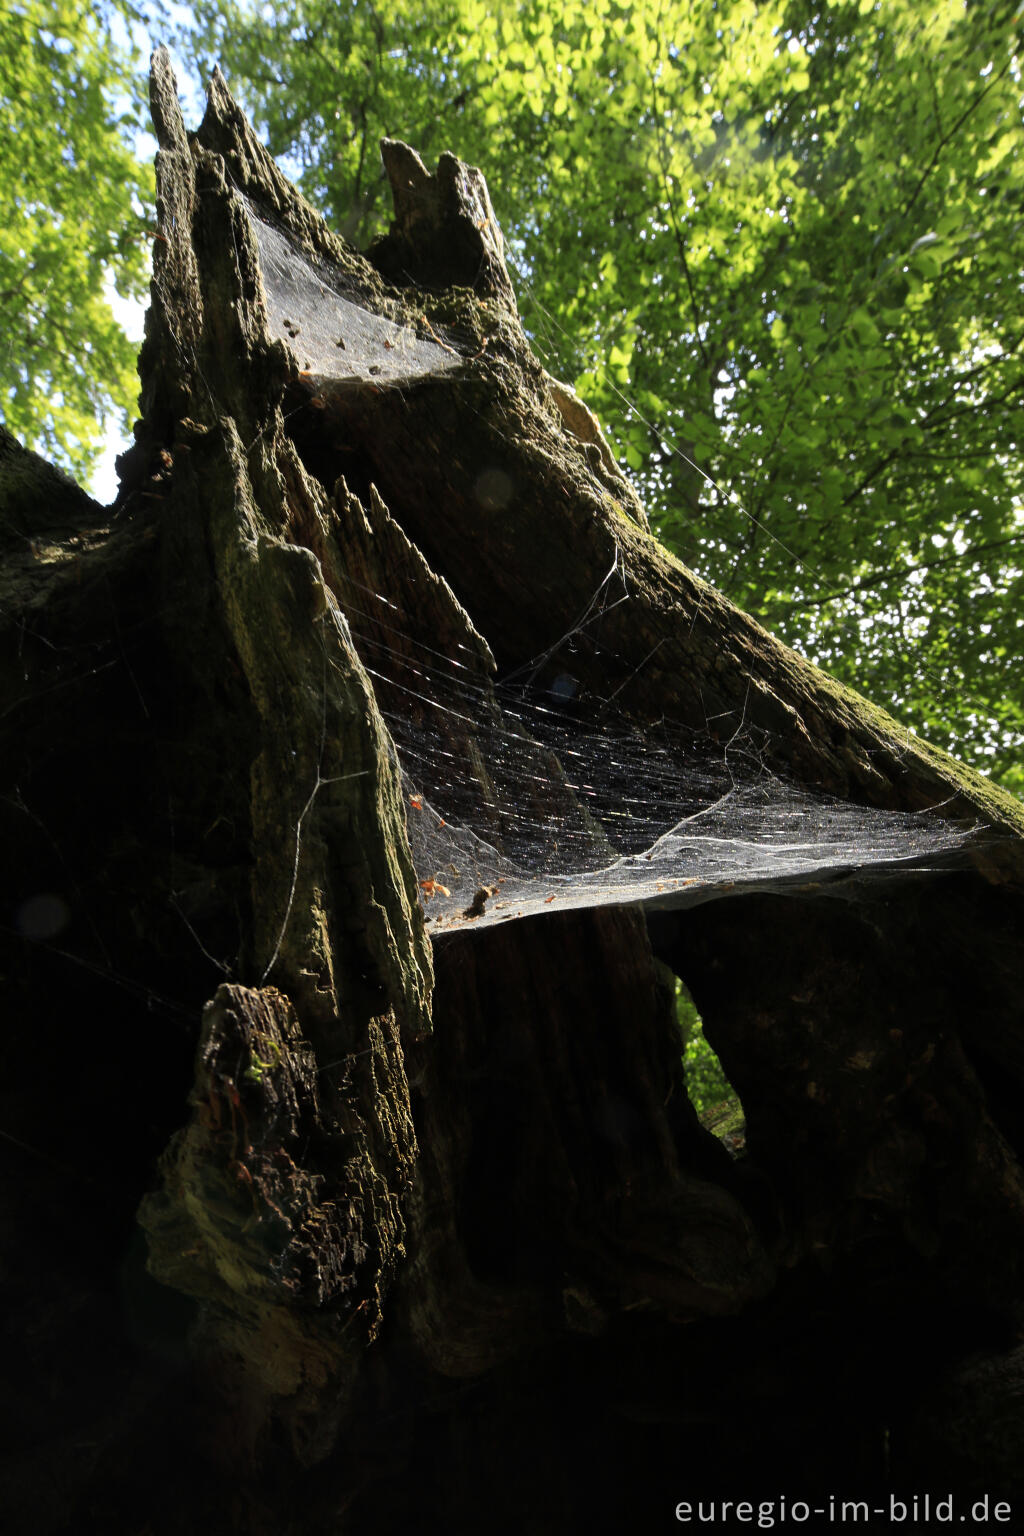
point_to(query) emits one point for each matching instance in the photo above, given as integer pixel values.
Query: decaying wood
(426, 1225)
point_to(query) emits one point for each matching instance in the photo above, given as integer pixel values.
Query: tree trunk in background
(436, 1234)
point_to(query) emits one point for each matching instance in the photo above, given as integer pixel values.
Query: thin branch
(670, 207)
(900, 572)
(930, 422)
(972, 106)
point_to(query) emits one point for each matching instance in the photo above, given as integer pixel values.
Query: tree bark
(313, 1225)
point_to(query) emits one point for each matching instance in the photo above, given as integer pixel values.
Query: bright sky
(103, 484)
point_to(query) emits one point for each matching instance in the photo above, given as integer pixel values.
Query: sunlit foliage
(710, 1091)
(73, 199)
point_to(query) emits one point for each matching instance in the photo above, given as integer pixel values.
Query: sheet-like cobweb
(538, 798)
(657, 824)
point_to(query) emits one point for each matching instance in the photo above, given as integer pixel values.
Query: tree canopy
(74, 199)
(775, 246)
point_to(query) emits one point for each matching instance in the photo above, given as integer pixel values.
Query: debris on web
(333, 338)
(765, 835)
(526, 800)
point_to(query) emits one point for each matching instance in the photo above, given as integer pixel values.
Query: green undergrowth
(712, 1095)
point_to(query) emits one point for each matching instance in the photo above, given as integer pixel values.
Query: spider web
(333, 337)
(525, 800)
(534, 797)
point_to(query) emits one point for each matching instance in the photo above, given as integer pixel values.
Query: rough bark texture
(307, 1229)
